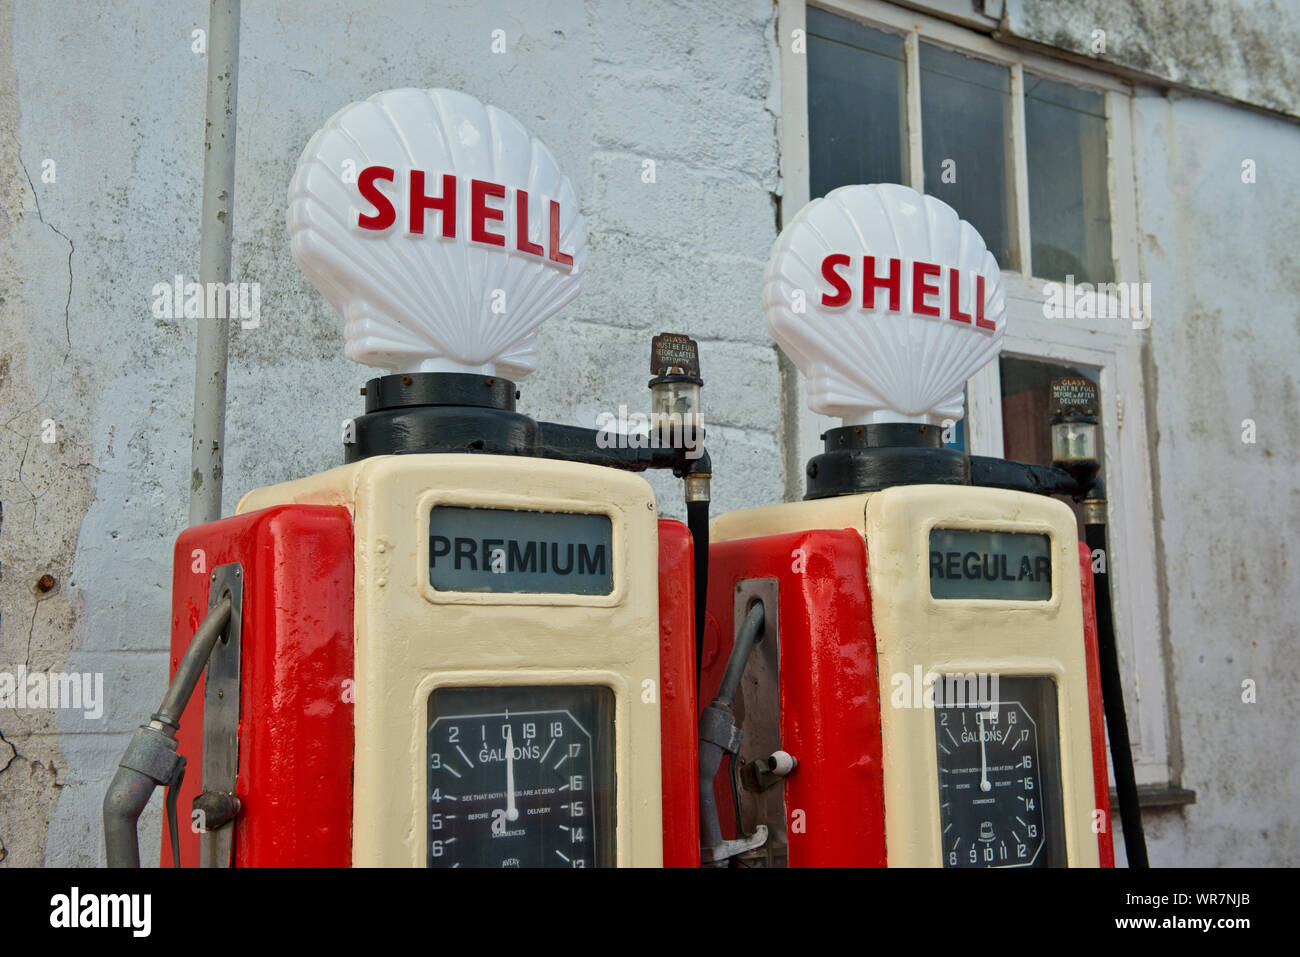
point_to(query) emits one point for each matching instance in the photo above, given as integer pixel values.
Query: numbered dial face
(521, 777)
(999, 772)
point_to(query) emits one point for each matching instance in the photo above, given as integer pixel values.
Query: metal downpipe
(208, 449)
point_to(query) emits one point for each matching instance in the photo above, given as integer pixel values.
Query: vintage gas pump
(910, 652)
(473, 644)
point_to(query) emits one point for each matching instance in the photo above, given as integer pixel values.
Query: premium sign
(504, 550)
(1008, 566)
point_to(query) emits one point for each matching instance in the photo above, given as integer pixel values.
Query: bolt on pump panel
(471, 703)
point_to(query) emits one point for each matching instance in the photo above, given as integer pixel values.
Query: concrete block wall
(607, 86)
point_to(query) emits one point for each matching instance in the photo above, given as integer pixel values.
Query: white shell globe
(426, 302)
(875, 364)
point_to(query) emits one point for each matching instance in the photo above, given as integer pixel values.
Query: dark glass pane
(1026, 415)
(965, 132)
(1069, 211)
(857, 111)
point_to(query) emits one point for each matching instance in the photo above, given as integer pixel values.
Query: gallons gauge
(521, 777)
(999, 772)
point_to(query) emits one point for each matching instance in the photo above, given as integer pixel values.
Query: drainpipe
(151, 758)
(214, 261)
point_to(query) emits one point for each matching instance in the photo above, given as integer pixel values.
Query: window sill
(1162, 796)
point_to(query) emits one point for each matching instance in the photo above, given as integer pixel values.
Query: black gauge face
(521, 777)
(999, 773)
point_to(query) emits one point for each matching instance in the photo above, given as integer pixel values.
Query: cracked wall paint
(1224, 340)
(44, 486)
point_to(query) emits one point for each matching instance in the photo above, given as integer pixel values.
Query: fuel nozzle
(1074, 428)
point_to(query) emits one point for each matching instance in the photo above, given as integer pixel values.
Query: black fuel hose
(697, 520)
(697, 477)
(1112, 690)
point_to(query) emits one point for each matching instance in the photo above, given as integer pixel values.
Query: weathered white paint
(1239, 49)
(1225, 340)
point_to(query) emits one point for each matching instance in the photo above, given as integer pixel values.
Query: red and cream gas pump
(910, 652)
(473, 644)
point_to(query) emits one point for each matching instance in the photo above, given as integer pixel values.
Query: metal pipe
(573, 443)
(191, 667)
(209, 439)
(718, 733)
(123, 804)
(751, 632)
(710, 826)
(151, 758)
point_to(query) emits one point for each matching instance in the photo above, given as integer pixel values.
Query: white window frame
(1113, 347)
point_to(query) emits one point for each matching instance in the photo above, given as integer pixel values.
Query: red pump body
(296, 717)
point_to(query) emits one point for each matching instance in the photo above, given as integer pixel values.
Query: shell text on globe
(483, 212)
(931, 289)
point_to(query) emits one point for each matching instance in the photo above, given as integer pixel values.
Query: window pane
(1069, 212)
(965, 132)
(958, 441)
(1026, 409)
(856, 108)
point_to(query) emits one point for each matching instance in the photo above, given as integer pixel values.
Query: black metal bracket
(869, 458)
(458, 413)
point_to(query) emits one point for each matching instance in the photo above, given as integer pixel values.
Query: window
(1069, 217)
(1036, 154)
(854, 140)
(965, 116)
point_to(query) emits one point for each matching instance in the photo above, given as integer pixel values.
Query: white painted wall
(1224, 265)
